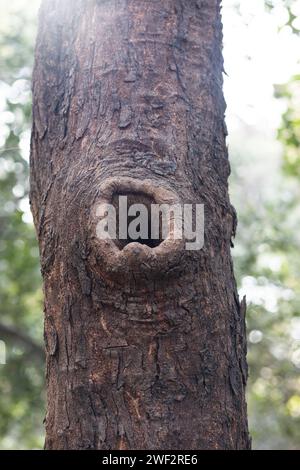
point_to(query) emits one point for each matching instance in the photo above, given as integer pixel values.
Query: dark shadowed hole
(135, 198)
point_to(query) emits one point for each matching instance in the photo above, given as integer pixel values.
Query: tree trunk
(146, 347)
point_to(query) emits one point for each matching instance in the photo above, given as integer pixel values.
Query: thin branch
(11, 333)
(9, 148)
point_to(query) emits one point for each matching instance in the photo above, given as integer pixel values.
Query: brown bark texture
(146, 347)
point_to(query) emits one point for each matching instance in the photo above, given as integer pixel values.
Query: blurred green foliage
(290, 10)
(289, 132)
(21, 323)
(268, 270)
(266, 256)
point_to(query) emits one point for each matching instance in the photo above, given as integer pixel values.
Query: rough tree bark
(146, 347)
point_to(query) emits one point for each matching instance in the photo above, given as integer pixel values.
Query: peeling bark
(145, 346)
